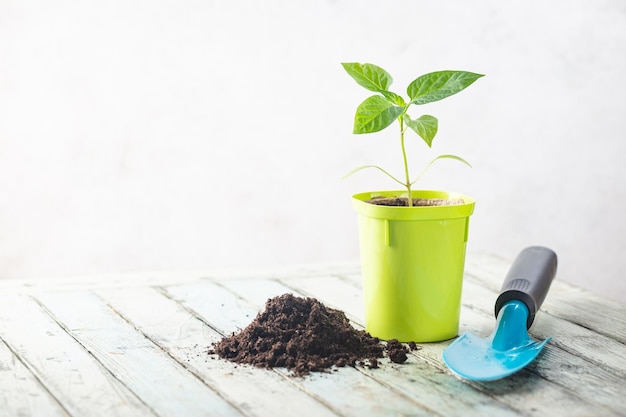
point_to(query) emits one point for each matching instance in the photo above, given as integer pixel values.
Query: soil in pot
(303, 335)
(404, 202)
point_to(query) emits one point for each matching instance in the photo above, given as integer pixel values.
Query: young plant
(379, 111)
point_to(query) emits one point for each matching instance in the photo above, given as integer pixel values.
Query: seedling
(379, 111)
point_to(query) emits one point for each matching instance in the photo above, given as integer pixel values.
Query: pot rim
(360, 204)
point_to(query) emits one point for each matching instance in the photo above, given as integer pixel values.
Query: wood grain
(137, 345)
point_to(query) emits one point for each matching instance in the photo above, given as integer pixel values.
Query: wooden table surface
(136, 345)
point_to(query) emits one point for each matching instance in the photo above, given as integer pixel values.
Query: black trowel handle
(529, 279)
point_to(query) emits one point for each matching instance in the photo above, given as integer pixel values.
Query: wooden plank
(21, 394)
(582, 358)
(217, 307)
(366, 396)
(416, 378)
(255, 391)
(142, 366)
(80, 386)
(596, 350)
(76, 283)
(257, 291)
(356, 395)
(522, 388)
(274, 271)
(582, 342)
(582, 371)
(594, 384)
(417, 372)
(573, 304)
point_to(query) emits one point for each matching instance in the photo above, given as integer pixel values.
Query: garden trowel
(509, 348)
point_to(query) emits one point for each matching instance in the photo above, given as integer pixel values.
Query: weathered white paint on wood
(133, 359)
(68, 371)
(431, 386)
(596, 348)
(218, 307)
(568, 302)
(549, 393)
(597, 340)
(136, 345)
(236, 313)
(21, 394)
(186, 338)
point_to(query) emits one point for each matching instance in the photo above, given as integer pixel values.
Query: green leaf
(447, 156)
(374, 114)
(370, 76)
(355, 170)
(393, 98)
(425, 126)
(439, 85)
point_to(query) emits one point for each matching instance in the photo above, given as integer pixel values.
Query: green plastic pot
(412, 262)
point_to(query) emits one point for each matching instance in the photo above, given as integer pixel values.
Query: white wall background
(158, 134)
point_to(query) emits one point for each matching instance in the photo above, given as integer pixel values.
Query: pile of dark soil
(304, 335)
(403, 201)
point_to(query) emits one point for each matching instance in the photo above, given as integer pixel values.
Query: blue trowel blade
(505, 352)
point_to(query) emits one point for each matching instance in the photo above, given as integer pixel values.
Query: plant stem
(404, 159)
